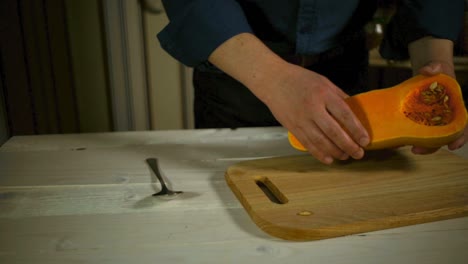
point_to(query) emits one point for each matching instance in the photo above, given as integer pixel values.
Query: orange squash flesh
(400, 115)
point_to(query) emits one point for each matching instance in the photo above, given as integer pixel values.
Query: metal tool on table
(165, 191)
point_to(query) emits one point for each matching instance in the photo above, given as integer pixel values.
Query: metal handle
(153, 163)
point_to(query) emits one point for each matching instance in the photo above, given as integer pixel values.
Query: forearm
(431, 50)
(248, 60)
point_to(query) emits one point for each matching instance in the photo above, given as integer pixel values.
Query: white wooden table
(87, 199)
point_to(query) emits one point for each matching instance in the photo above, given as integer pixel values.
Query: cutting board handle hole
(271, 191)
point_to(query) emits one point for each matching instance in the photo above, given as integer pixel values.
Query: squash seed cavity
(429, 106)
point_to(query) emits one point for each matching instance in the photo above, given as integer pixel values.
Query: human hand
(306, 103)
(313, 109)
(433, 68)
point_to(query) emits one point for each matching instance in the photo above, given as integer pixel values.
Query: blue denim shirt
(197, 27)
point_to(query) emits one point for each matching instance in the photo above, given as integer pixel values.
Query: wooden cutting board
(298, 198)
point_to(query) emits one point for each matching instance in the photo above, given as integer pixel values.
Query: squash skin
(381, 113)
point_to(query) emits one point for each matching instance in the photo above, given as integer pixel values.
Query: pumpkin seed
(305, 213)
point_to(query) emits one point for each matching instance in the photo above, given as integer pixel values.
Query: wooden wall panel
(65, 89)
(88, 52)
(37, 56)
(14, 72)
(36, 70)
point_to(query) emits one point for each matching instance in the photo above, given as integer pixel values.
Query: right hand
(313, 109)
(304, 102)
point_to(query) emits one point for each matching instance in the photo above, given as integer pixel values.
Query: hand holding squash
(431, 56)
(314, 109)
(424, 111)
(434, 68)
(303, 101)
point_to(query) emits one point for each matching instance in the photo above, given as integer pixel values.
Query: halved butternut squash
(425, 111)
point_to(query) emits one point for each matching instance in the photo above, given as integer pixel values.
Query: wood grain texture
(87, 199)
(385, 190)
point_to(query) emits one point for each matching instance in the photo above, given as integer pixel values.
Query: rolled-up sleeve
(197, 27)
(415, 19)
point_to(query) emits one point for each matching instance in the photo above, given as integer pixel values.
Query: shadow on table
(150, 200)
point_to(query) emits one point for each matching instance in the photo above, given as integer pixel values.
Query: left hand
(433, 68)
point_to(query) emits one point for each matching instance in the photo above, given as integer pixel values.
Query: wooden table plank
(180, 138)
(127, 163)
(31, 201)
(214, 236)
(86, 199)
